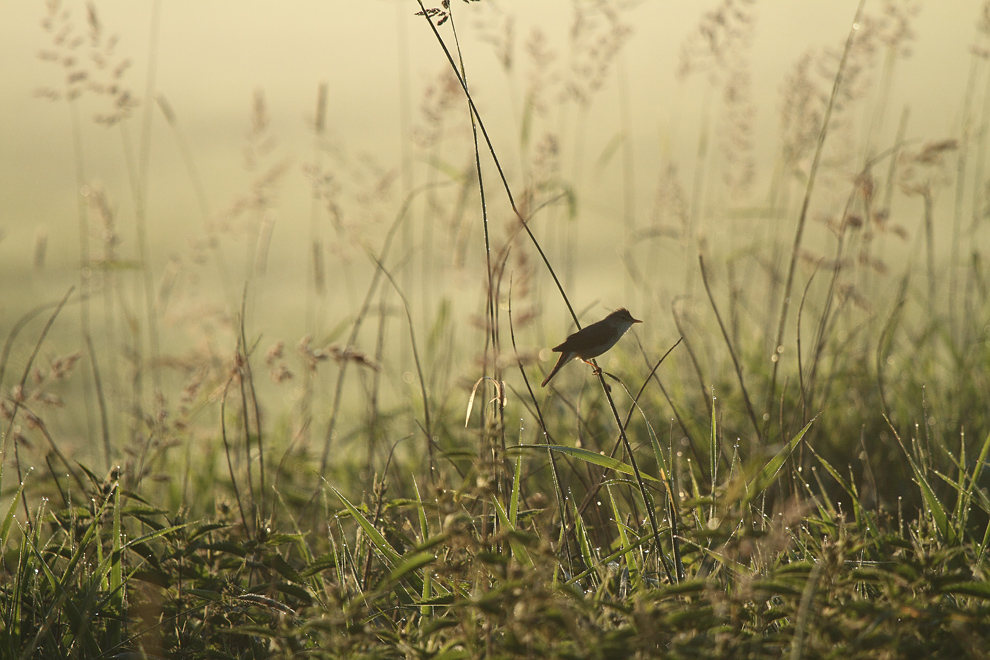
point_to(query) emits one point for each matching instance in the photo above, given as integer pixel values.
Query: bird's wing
(595, 334)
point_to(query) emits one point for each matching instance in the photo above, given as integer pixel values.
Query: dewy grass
(652, 512)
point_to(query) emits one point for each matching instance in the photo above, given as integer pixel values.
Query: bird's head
(622, 317)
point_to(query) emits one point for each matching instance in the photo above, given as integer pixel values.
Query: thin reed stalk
(695, 364)
(428, 427)
(140, 186)
(732, 351)
(251, 410)
(491, 314)
(228, 452)
(359, 319)
(803, 216)
(85, 266)
(315, 284)
(102, 402)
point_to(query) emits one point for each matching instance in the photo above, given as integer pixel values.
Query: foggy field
(279, 287)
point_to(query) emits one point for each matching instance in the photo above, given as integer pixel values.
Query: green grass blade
(514, 497)
(853, 495)
(8, 519)
(518, 549)
(933, 504)
(713, 459)
(634, 568)
(424, 531)
(117, 602)
(983, 547)
(410, 564)
(379, 541)
(589, 457)
(966, 496)
(768, 474)
(636, 543)
(584, 543)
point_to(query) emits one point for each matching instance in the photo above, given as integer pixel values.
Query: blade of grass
(848, 488)
(760, 434)
(805, 205)
(935, 507)
(588, 457)
(631, 564)
(518, 550)
(514, 496)
(117, 602)
(424, 533)
(768, 474)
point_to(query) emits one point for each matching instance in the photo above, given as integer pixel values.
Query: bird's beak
(636, 321)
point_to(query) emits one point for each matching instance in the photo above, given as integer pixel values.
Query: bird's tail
(564, 358)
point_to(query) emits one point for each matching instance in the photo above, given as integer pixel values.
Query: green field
(294, 410)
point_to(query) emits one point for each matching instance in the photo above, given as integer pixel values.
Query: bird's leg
(594, 370)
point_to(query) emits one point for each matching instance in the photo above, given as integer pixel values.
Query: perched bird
(593, 340)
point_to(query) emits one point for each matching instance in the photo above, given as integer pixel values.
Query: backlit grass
(797, 472)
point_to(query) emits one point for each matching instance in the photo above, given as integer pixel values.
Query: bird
(593, 340)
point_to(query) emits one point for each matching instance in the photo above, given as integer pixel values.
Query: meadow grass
(799, 474)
